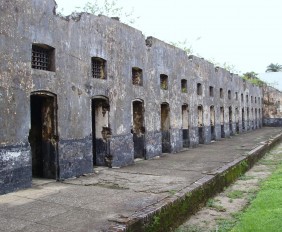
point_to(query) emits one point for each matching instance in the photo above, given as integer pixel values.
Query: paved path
(95, 202)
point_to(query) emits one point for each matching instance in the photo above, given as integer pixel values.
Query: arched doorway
(138, 129)
(165, 127)
(101, 131)
(212, 120)
(237, 120)
(243, 119)
(248, 118)
(222, 122)
(230, 120)
(43, 135)
(201, 125)
(252, 119)
(256, 118)
(259, 119)
(185, 126)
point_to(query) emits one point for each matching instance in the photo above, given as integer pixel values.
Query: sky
(244, 33)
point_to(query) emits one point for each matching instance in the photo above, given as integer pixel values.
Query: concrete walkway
(107, 197)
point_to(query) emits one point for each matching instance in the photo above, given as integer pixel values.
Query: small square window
(137, 76)
(211, 91)
(164, 81)
(199, 89)
(184, 86)
(43, 57)
(221, 93)
(98, 68)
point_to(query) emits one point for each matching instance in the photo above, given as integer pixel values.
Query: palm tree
(274, 68)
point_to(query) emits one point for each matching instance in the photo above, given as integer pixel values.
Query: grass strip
(264, 213)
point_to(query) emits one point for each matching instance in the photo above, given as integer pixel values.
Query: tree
(252, 77)
(108, 8)
(274, 68)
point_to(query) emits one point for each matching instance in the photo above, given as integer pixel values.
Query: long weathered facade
(88, 90)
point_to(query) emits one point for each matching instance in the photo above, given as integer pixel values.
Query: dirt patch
(221, 212)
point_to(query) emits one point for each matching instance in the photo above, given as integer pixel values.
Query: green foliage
(225, 225)
(190, 228)
(211, 203)
(235, 194)
(244, 177)
(172, 191)
(155, 224)
(108, 8)
(274, 68)
(252, 77)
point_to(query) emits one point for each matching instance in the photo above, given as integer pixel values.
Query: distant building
(273, 79)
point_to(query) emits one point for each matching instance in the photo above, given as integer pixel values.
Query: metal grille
(40, 58)
(98, 68)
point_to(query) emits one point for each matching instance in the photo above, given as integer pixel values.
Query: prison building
(85, 90)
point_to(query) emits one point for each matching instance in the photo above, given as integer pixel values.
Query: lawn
(265, 211)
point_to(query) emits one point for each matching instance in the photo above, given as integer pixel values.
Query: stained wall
(76, 40)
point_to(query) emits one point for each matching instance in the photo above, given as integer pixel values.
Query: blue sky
(243, 33)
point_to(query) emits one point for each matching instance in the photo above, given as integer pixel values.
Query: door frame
(44, 94)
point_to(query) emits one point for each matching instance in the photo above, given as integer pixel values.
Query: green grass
(190, 228)
(269, 162)
(225, 225)
(211, 203)
(264, 214)
(235, 194)
(244, 177)
(172, 191)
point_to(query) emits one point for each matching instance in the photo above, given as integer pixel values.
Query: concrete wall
(76, 40)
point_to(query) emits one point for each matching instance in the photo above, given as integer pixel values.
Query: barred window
(43, 57)
(98, 68)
